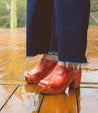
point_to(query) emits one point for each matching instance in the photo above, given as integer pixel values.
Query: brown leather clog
(59, 79)
(42, 70)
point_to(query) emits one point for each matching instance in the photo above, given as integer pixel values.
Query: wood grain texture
(63, 103)
(5, 93)
(87, 100)
(26, 99)
(12, 82)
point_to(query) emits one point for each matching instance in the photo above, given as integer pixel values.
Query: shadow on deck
(16, 96)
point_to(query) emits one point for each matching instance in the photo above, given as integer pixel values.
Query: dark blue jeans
(58, 26)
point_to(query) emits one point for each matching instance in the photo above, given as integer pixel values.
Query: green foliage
(94, 11)
(21, 13)
(94, 6)
(5, 17)
(5, 9)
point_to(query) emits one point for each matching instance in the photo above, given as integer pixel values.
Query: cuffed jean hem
(73, 62)
(50, 53)
(31, 56)
(53, 53)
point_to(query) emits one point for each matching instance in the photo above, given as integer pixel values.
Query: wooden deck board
(88, 100)
(62, 103)
(7, 48)
(10, 58)
(17, 73)
(12, 82)
(8, 67)
(13, 65)
(25, 100)
(4, 55)
(11, 44)
(5, 92)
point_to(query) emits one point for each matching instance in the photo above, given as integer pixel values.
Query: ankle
(50, 57)
(75, 66)
(68, 65)
(60, 63)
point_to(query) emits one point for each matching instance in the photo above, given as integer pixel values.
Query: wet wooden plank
(8, 59)
(8, 67)
(89, 85)
(4, 54)
(6, 50)
(90, 76)
(11, 42)
(25, 100)
(12, 82)
(62, 103)
(87, 100)
(11, 46)
(5, 92)
(18, 72)
(11, 57)
(90, 72)
(93, 30)
(11, 51)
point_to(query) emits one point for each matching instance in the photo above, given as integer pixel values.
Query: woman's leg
(39, 27)
(71, 19)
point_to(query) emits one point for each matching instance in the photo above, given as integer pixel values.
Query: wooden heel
(76, 82)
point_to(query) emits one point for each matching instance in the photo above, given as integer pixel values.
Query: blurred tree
(93, 19)
(94, 5)
(8, 5)
(13, 19)
(94, 9)
(21, 13)
(7, 12)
